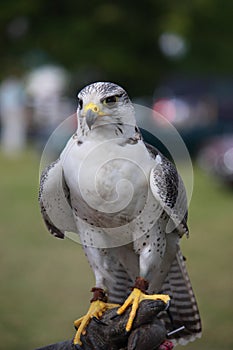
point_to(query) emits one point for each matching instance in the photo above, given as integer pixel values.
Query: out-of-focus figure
(45, 88)
(12, 112)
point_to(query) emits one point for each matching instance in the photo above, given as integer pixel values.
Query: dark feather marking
(169, 189)
(105, 89)
(121, 131)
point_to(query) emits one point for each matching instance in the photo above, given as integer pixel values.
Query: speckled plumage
(87, 191)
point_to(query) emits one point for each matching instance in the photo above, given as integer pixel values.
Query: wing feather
(168, 189)
(54, 199)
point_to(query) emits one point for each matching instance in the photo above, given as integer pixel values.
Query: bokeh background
(175, 57)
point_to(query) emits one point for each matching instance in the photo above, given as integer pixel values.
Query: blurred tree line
(117, 41)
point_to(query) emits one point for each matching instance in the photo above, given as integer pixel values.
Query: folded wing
(54, 199)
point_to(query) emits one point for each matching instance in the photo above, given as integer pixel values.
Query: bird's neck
(109, 131)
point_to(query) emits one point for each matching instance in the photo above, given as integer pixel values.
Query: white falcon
(127, 203)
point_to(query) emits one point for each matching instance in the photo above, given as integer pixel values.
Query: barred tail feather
(183, 308)
(118, 292)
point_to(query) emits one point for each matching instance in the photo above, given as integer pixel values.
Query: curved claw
(96, 310)
(134, 299)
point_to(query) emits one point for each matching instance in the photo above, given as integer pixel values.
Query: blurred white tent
(46, 87)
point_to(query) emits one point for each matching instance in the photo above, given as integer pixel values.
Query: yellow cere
(92, 106)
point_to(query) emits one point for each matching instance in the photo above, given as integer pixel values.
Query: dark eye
(80, 103)
(110, 101)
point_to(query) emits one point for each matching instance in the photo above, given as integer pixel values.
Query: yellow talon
(134, 299)
(97, 308)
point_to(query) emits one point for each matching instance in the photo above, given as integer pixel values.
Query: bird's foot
(98, 306)
(134, 299)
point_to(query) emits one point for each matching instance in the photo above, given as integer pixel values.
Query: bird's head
(104, 103)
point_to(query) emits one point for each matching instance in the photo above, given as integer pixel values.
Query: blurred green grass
(45, 282)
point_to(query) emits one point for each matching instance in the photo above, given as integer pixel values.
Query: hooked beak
(92, 112)
(91, 117)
